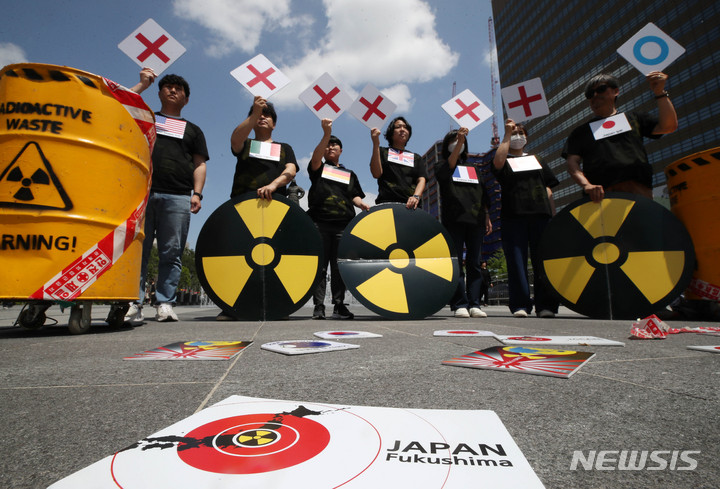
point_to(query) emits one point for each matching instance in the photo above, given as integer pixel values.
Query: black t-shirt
(524, 193)
(462, 193)
(254, 172)
(331, 194)
(617, 158)
(172, 159)
(397, 182)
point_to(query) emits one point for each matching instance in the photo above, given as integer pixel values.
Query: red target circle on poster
(253, 443)
(528, 338)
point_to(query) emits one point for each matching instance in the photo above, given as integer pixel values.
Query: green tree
(188, 277)
(497, 265)
(152, 267)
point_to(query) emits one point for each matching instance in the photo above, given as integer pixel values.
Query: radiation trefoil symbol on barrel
(258, 259)
(624, 257)
(29, 181)
(398, 262)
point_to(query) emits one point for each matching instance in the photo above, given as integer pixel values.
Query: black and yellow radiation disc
(623, 258)
(398, 263)
(258, 259)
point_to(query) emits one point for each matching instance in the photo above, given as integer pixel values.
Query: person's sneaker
(134, 314)
(165, 313)
(520, 313)
(319, 312)
(224, 316)
(476, 312)
(462, 312)
(546, 313)
(340, 311)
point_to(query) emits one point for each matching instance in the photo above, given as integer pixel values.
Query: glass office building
(565, 43)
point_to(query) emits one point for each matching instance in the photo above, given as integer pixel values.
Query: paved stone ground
(68, 401)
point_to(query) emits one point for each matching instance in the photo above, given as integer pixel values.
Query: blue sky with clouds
(412, 50)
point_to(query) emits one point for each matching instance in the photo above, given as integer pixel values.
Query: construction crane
(491, 47)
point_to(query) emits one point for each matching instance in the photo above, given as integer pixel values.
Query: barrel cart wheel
(33, 315)
(79, 322)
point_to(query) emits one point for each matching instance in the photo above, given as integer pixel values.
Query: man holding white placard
(527, 207)
(263, 165)
(334, 194)
(401, 174)
(178, 178)
(610, 146)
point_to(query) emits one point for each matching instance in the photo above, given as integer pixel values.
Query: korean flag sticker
(650, 49)
(524, 163)
(604, 128)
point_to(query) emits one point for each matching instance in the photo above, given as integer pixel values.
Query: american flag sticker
(465, 174)
(265, 150)
(604, 128)
(401, 157)
(336, 174)
(167, 126)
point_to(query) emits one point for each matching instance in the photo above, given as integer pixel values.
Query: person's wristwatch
(416, 197)
(198, 194)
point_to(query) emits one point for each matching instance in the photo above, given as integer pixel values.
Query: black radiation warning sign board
(30, 182)
(259, 259)
(622, 258)
(398, 262)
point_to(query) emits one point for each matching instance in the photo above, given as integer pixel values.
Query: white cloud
(388, 44)
(11, 53)
(237, 24)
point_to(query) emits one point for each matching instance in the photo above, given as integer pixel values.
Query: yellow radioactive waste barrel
(74, 174)
(695, 200)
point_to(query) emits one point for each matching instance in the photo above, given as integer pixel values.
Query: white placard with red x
(260, 76)
(372, 108)
(467, 110)
(326, 98)
(151, 46)
(525, 100)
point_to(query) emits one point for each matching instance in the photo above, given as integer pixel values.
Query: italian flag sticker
(264, 150)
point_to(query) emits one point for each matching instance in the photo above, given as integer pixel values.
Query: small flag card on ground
(711, 349)
(329, 335)
(193, 350)
(524, 360)
(557, 340)
(463, 332)
(301, 347)
(254, 443)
